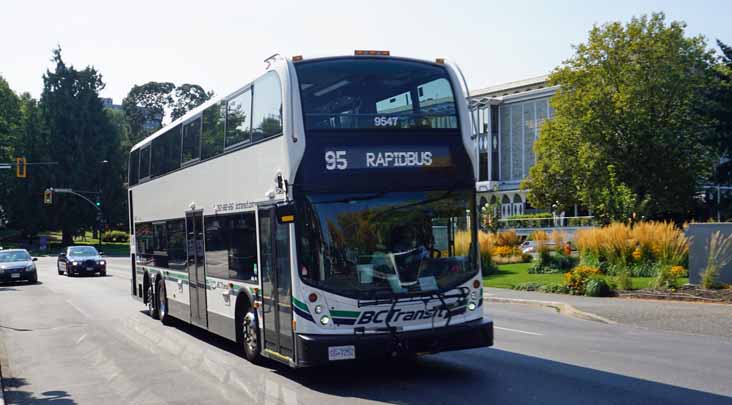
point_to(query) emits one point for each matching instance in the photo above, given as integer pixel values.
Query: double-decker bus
(323, 212)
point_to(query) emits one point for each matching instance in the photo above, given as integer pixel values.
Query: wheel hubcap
(162, 305)
(250, 334)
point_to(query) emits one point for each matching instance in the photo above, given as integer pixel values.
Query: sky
(221, 45)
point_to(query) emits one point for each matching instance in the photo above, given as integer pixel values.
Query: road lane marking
(81, 339)
(519, 331)
(79, 309)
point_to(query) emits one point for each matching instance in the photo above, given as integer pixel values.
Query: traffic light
(21, 170)
(98, 201)
(48, 197)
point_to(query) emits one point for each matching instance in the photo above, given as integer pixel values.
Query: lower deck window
(231, 246)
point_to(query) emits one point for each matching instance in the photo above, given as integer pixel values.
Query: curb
(2, 388)
(561, 307)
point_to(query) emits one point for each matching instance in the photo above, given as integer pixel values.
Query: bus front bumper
(314, 349)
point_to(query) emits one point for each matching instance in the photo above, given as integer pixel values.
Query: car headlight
(30, 267)
(102, 262)
(75, 263)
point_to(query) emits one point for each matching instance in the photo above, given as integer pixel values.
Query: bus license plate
(341, 353)
(15, 275)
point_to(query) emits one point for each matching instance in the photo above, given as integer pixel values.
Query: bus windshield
(357, 93)
(400, 242)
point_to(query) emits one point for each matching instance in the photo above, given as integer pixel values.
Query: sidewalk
(684, 317)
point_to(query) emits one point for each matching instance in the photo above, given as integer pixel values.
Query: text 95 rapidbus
(323, 212)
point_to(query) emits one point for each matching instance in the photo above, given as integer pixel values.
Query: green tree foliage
(722, 97)
(145, 105)
(21, 135)
(188, 97)
(633, 96)
(81, 138)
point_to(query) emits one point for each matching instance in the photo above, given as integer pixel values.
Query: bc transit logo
(397, 315)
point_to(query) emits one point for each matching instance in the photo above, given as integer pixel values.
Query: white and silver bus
(323, 212)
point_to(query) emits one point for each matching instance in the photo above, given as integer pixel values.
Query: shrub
(553, 263)
(528, 286)
(502, 251)
(577, 279)
(115, 236)
(622, 279)
(488, 266)
(645, 269)
(508, 238)
(597, 287)
(526, 258)
(720, 254)
(667, 277)
(554, 288)
(558, 237)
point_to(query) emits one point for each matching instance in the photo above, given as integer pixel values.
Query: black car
(81, 260)
(17, 265)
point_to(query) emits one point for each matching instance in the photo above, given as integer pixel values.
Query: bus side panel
(176, 287)
(221, 302)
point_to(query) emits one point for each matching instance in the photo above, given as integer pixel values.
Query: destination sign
(345, 158)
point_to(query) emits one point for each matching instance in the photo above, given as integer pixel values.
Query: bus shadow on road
(485, 376)
(15, 395)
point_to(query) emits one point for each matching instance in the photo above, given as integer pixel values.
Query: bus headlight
(474, 294)
(325, 320)
(318, 309)
(472, 306)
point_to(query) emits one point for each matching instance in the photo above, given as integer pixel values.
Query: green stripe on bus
(300, 304)
(345, 314)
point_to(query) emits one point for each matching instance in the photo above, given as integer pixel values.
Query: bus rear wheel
(250, 337)
(152, 307)
(163, 303)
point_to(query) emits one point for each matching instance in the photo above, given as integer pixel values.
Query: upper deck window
(353, 93)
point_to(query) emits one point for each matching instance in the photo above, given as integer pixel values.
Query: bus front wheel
(250, 337)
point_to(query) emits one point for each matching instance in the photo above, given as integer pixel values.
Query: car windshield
(82, 251)
(398, 242)
(17, 256)
(357, 93)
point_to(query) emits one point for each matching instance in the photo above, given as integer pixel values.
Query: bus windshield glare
(358, 93)
(357, 245)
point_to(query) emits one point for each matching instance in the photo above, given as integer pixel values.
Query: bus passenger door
(196, 268)
(274, 245)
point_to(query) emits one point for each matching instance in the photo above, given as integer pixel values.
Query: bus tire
(152, 307)
(163, 303)
(250, 337)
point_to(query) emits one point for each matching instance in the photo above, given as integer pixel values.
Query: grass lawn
(511, 274)
(55, 246)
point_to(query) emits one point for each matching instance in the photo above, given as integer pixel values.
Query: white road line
(79, 309)
(519, 331)
(81, 339)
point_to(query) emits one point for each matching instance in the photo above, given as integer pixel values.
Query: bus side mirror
(285, 213)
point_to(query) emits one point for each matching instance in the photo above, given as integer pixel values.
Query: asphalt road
(85, 340)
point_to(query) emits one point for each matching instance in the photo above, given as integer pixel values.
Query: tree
(188, 97)
(634, 97)
(145, 106)
(81, 139)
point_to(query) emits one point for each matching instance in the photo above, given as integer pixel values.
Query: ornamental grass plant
(720, 255)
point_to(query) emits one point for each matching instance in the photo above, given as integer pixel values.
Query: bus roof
(272, 67)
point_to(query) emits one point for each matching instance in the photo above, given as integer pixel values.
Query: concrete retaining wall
(699, 250)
